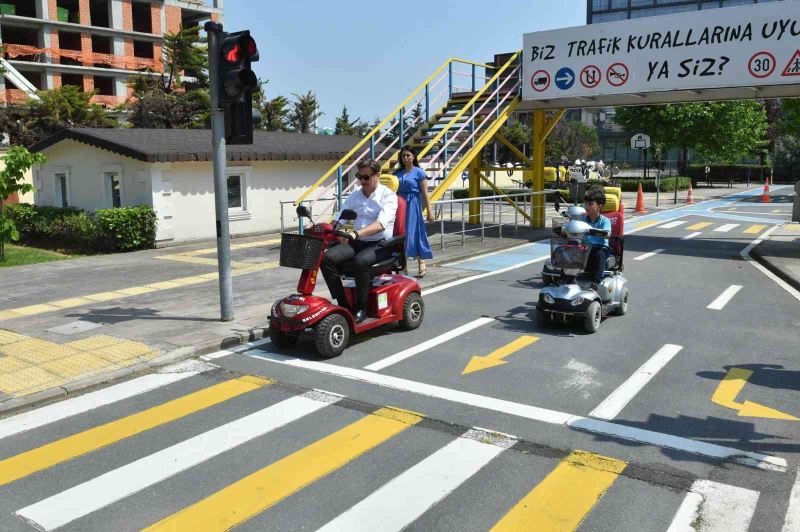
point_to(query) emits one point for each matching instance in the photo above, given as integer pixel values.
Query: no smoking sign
(591, 76)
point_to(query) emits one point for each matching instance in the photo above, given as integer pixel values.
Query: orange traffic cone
(640, 200)
(690, 198)
(765, 194)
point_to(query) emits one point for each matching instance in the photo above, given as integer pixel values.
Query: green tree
(345, 126)
(274, 112)
(789, 121)
(572, 139)
(185, 51)
(18, 160)
(787, 152)
(716, 131)
(305, 112)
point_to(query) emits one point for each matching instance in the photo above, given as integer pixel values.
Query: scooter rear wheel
(413, 312)
(331, 336)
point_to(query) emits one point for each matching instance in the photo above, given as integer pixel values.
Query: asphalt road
(680, 415)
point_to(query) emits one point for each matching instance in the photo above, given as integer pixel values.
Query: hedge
(721, 172)
(666, 184)
(71, 229)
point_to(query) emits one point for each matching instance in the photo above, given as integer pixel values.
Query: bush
(72, 229)
(720, 172)
(128, 228)
(666, 184)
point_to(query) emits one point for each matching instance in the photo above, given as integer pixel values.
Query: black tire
(331, 336)
(542, 318)
(281, 339)
(413, 312)
(594, 315)
(622, 309)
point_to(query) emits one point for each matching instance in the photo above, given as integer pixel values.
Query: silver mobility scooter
(573, 295)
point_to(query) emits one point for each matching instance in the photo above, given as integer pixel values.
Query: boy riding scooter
(593, 202)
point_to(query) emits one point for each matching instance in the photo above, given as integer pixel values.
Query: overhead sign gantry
(733, 53)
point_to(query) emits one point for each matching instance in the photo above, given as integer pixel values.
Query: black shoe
(360, 316)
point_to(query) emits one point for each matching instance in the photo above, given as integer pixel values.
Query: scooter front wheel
(331, 336)
(594, 315)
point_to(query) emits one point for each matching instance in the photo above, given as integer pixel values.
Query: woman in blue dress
(413, 187)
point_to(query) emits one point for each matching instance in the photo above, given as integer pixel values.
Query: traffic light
(237, 82)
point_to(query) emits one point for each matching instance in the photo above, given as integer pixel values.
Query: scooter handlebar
(344, 234)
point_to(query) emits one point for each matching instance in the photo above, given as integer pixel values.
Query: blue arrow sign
(565, 78)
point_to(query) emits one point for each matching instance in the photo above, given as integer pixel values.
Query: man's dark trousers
(363, 254)
(596, 265)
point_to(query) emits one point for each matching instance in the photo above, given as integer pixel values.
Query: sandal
(422, 268)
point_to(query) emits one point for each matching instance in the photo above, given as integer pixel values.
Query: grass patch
(21, 255)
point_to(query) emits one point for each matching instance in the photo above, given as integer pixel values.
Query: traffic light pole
(220, 158)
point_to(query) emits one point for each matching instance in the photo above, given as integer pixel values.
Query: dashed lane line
(645, 256)
(596, 426)
(725, 297)
(692, 235)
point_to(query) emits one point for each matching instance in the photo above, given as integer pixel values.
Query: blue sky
(371, 55)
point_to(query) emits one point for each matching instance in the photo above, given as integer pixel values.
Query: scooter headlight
(577, 301)
(549, 299)
(290, 311)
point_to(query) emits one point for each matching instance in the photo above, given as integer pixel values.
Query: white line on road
(99, 492)
(597, 426)
(716, 507)
(648, 254)
(792, 522)
(725, 228)
(620, 397)
(670, 225)
(424, 346)
(692, 235)
(406, 497)
(745, 253)
(90, 401)
(724, 297)
(232, 351)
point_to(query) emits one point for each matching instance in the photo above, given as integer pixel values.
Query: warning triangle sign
(792, 68)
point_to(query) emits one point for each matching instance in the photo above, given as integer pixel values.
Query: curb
(10, 406)
(781, 272)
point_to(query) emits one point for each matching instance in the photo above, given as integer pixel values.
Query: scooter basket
(568, 254)
(299, 251)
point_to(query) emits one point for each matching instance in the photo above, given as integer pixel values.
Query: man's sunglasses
(363, 177)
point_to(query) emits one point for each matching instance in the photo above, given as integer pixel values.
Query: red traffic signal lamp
(237, 80)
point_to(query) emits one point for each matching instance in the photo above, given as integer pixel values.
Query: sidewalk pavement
(780, 253)
(70, 325)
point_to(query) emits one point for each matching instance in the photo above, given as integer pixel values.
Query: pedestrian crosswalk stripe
(753, 229)
(584, 476)
(719, 507)
(725, 228)
(670, 225)
(115, 485)
(645, 225)
(699, 226)
(403, 499)
(84, 403)
(30, 462)
(255, 493)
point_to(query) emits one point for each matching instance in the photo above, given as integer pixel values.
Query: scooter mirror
(302, 211)
(348, 214)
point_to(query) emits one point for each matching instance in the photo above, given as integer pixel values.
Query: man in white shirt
(375, 206)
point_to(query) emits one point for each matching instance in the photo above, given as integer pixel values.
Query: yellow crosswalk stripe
(27, 463)
(645, 225)
(698, 226)
(753, 229)
(264, 488)
(565, 496)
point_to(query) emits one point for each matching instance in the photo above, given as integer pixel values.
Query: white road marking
(84, 403)
(714, 507)
(648, 254)
(620, 397)
(792, 522)
(424, 346)
(692, 235)
(725, 228)
(670, 225)
(403, 499)
(99, 492)
(724, 297)
(234, 350)
(753, 459)
(745, 253)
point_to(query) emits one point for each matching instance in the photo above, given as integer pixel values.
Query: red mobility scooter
(393, 298)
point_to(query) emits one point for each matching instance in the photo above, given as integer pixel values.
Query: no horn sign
(677, 57)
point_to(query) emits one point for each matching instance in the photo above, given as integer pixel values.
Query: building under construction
(92, 44)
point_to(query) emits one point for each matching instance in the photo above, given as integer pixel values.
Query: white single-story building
(171, 170)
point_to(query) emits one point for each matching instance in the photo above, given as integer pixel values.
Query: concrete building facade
(93, 44)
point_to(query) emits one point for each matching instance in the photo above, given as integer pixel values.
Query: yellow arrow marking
(732, 385)
(495, 358)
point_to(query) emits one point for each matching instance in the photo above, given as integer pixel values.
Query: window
(61, 195)
(599, 5)
(234, 192)
(619, 4)
(113, 183)
(609, 17)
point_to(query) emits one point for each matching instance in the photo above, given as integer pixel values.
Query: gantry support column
(537, 157)
(475, 190)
